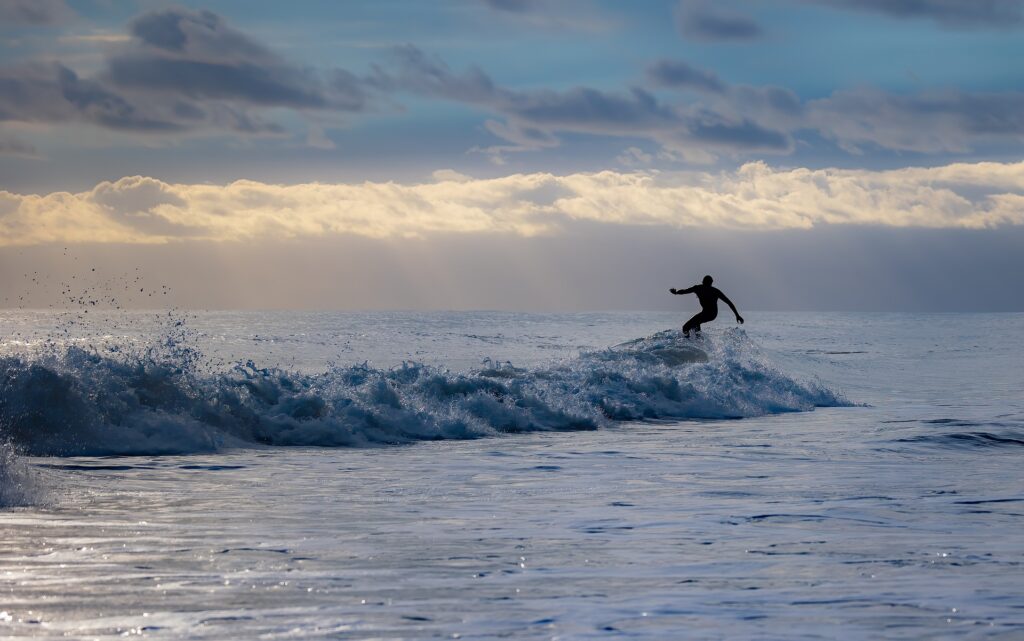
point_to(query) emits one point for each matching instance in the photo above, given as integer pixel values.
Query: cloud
(196, 55)
(450, 175)
(754, 197)
(677, 74)
(767, 104)
(634, 157)
(180, 71)
(723, 119)
(14, 147)
(958, 14)
(95, 38)
(923, 122)
(34, 12)
(563, 15)
(536, 117)
(698, 20)
(132, 202)
(926, 122)
(183, 72)
(514, 6)
(51, 92)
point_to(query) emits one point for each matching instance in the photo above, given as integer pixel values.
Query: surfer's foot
(686, 334)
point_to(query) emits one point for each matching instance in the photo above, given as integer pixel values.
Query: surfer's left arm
(739, 319)
(677, 292)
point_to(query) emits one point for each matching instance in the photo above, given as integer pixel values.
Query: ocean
(484, 475)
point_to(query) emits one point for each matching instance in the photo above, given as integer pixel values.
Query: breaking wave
(19, 482)
(72, 401)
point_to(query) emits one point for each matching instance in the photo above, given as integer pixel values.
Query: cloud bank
(754, 197)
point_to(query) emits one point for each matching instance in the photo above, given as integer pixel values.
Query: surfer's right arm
(688, 290)
(739, 319)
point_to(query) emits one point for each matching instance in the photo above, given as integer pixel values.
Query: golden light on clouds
(145, 210)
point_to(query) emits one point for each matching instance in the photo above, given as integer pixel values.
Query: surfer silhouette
(708, 297)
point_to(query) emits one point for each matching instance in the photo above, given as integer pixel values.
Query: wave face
(81, 402)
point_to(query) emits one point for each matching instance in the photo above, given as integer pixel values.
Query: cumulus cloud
(146, 210)
(699, 20)
(1001, 14)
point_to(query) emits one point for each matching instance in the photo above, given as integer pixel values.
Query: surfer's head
(708, 280)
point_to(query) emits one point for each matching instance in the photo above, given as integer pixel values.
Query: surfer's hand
(739, 319)
(673, 290)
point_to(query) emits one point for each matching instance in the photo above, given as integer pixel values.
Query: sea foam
(74, 401)
(19, 482)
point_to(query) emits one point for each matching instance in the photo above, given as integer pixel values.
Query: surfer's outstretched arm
(688, 290)
(739, 319)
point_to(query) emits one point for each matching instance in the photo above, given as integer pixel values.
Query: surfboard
(666, 347)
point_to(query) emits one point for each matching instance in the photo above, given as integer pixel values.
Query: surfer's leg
(698, 319)
(692, 323)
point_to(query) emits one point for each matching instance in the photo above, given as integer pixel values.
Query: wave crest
(78, 402)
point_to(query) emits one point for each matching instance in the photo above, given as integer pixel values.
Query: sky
(513, 154)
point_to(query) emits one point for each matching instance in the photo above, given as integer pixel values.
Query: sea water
(249, 475)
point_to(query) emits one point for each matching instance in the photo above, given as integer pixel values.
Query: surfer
(708, 297)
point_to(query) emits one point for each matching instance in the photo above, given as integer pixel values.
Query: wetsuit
(708, 297)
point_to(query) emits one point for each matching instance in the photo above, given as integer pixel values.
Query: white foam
(19, 483)
(77, 401)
